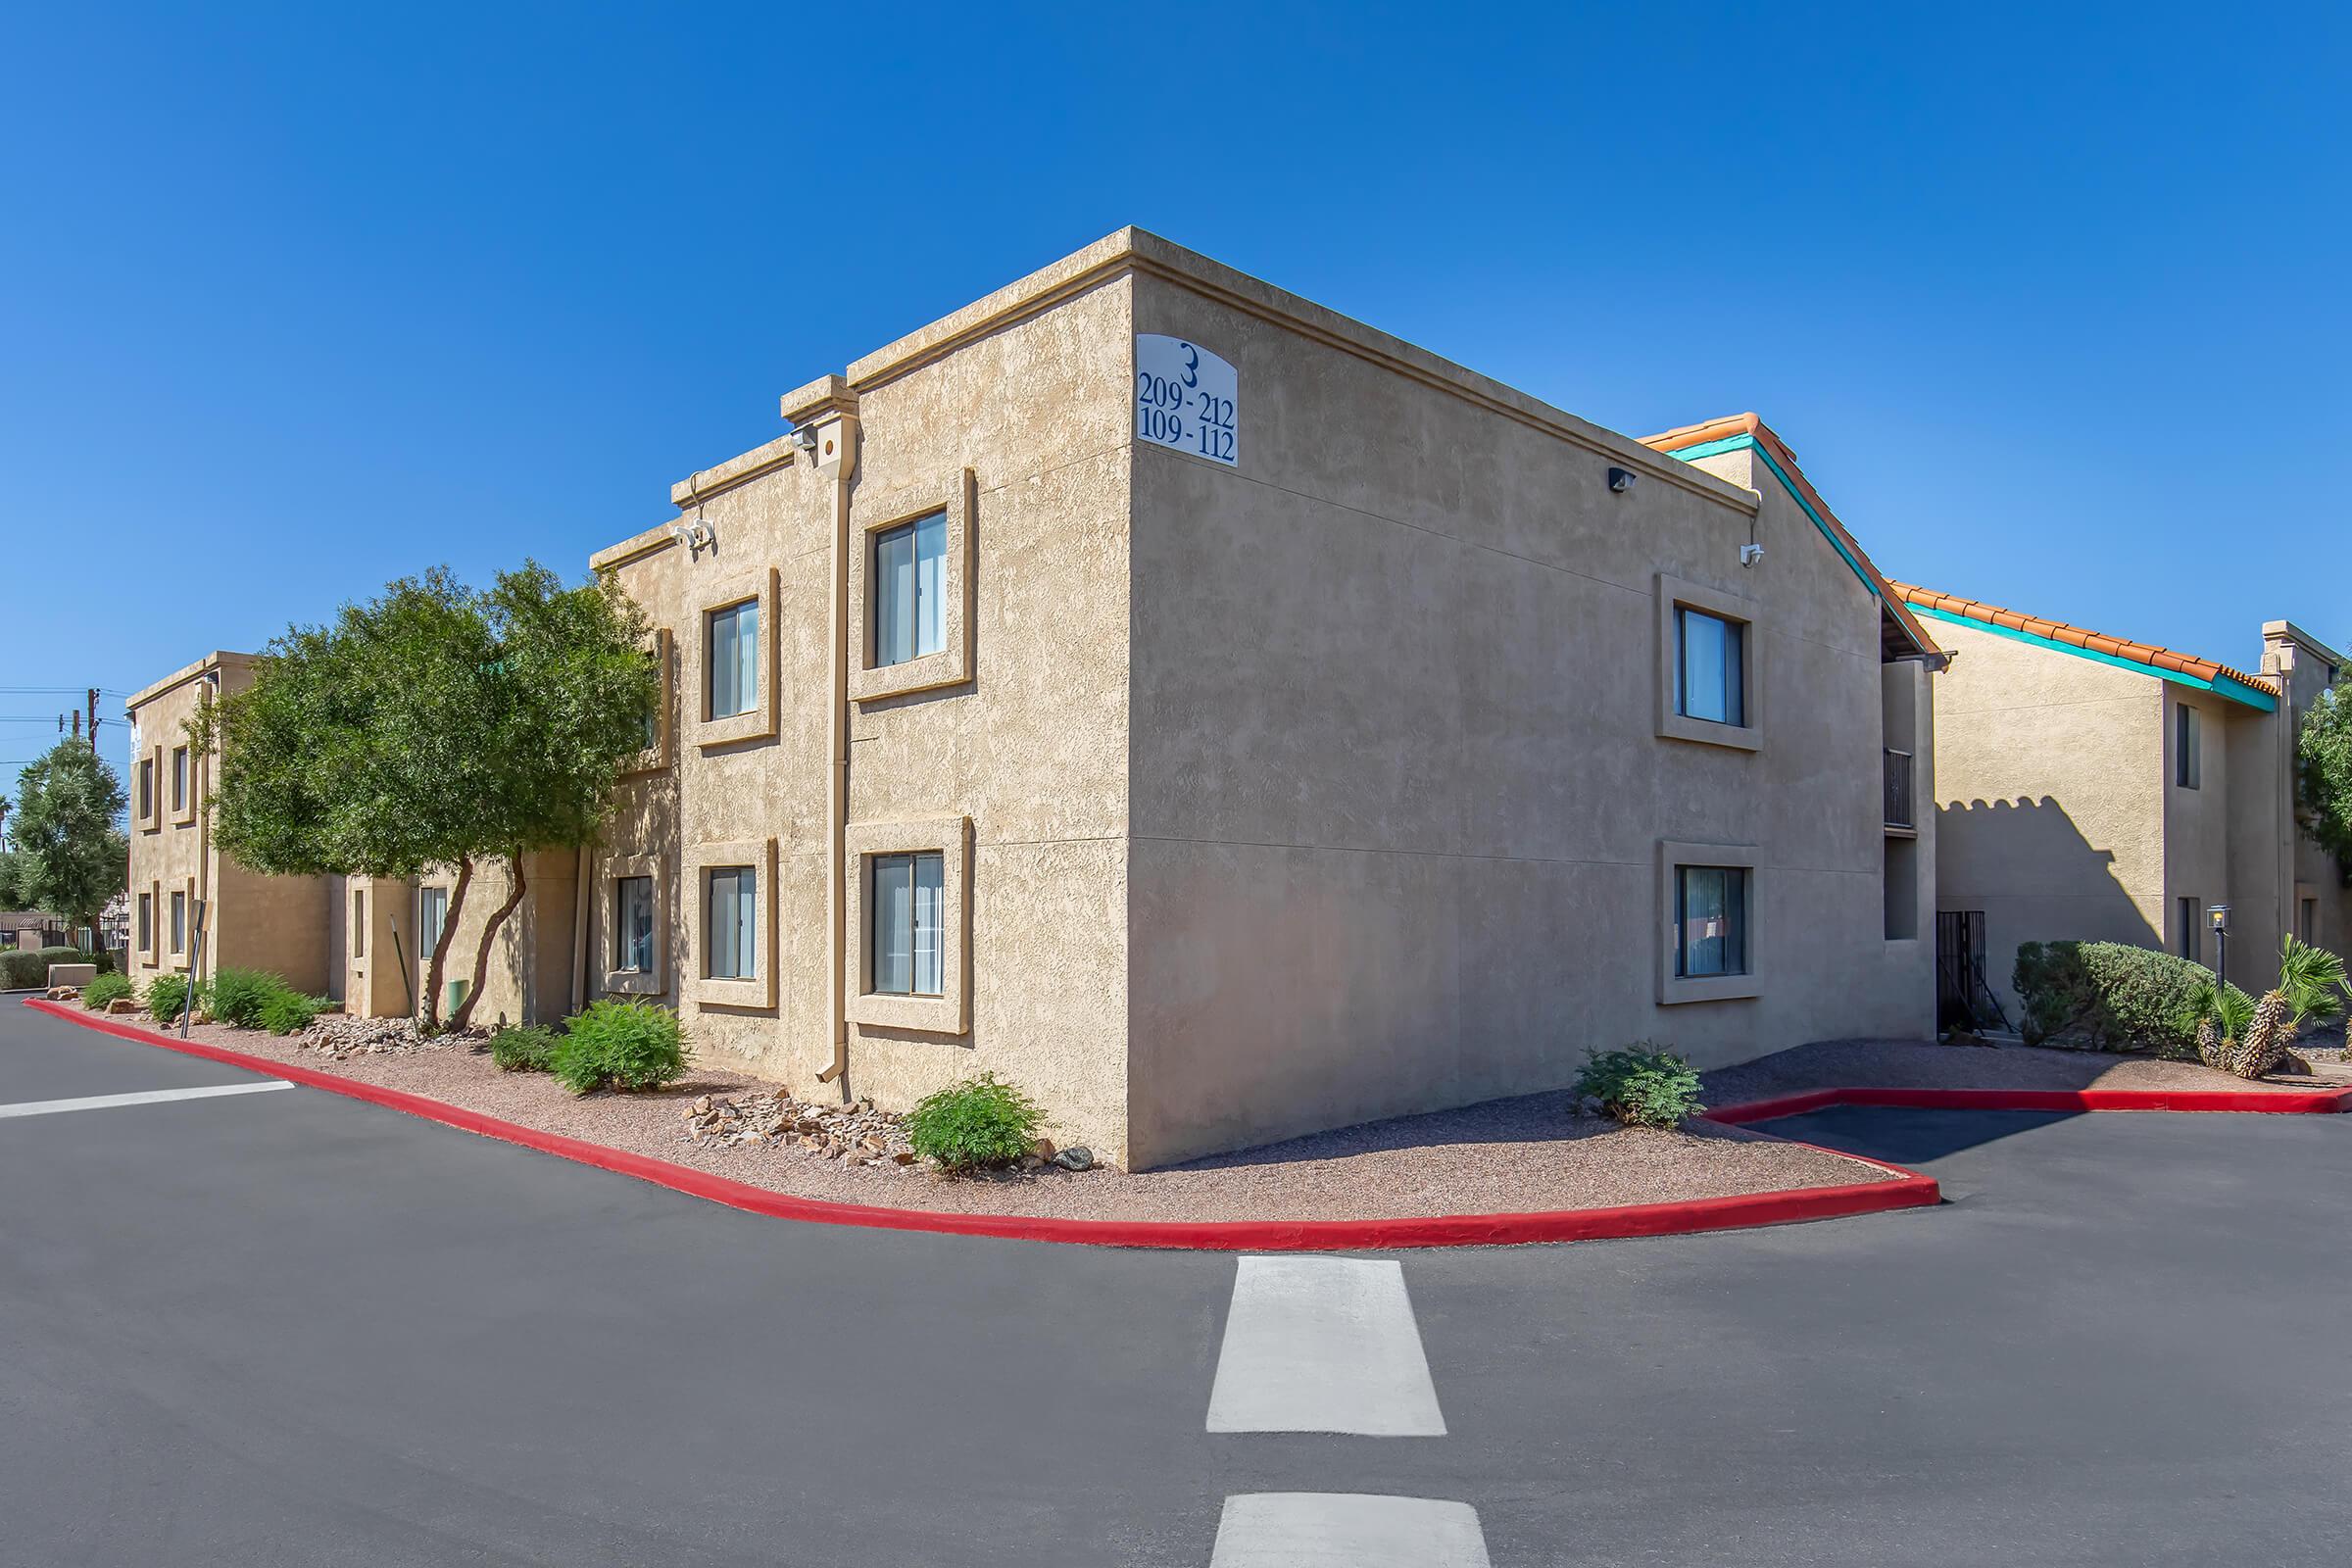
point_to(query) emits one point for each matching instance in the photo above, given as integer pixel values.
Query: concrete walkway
(283, 1328)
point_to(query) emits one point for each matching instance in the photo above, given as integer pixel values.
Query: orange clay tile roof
(1749, 425)
(2058, 631)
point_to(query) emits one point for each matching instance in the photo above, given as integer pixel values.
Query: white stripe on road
(151, 1096)
(1323, 1344)
(1345, 1530)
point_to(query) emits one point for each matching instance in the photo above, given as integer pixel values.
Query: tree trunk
(449, 932)
(482, 954)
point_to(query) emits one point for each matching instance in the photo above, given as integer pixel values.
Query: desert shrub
(2108, 995)
(979, 1123)
(287, 1011)
(525, 1048)
(105, 989)
(619, 1045)
(28, 970)
(236, 996)
(167, 993)
(1642, 1086)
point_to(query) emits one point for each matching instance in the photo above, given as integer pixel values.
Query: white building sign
(1186, 398)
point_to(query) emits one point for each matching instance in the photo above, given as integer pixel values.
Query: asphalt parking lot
(287, 1328)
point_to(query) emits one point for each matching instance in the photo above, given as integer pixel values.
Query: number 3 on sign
(1186, 398)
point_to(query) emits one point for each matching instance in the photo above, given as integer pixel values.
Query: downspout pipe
(832, 446)
(579, 929)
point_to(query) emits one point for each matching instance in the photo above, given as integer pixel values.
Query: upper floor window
(733, 685)
(2188, 727)
(1710, 920)
(179, 778)
(910, 591)
(1709, 682)
(146, 787)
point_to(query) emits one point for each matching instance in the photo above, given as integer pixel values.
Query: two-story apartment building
(2093, 787)
(1227, 720)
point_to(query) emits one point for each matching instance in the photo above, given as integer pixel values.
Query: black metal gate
(1963, 998)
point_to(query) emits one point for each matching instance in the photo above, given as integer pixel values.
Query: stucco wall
(1398, 790)
(1032, 748)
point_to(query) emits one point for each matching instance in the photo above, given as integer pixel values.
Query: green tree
(2323, 773)
(436, 726)
(71, 855)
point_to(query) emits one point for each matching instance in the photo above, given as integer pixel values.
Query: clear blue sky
(296, 299)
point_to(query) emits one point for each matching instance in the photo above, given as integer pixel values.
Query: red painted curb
(1742, 1212)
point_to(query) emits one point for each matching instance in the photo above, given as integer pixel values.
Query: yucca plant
(2239, 1035)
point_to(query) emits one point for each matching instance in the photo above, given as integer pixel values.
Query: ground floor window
(2307, 920)
(1710, 920)
(179, 922)
(2192, 927)
(633, 924)
(146, 922)
(906, 939)
(731, 924)
(432, 914)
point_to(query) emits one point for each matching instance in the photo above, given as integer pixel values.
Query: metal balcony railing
(1898, 789)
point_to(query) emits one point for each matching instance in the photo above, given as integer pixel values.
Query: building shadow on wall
(2009, 856)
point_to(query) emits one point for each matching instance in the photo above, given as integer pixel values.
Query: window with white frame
(731, 925)
(911, 590)
(633, 925)
(904, 898)
(731, 685)
(2189, 741)
(1710, 921)
(1709, 678)
(179, 778)
(432, 914)
(180, 921)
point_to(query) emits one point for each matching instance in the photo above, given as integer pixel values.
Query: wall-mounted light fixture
(1620, 480)
(1750, 553)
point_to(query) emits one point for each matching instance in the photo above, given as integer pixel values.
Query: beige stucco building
(1227, 720)
(250, 920)
(2092, 787)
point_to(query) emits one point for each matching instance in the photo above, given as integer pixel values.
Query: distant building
(2093, 787)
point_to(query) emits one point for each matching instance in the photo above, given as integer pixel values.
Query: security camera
(1620, 480)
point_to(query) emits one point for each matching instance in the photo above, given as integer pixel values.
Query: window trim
(758, 990)
(612, 870)
(1674, 988)
(143, 921)
(759, 721)
(658, 757)
(1673, 594)
(952, 666)
(951, 838)
(153, 820)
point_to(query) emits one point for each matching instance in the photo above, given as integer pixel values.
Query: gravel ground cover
(1526, 1154)
(1913, 1063)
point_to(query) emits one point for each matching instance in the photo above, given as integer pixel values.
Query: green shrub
(287, 1011)
(525, 1048)
(105, 989)
(236, 996)
(619, 1045)
(974, 1125)
(167, 993)
(1642, 1086)
(28, 970)
(2108, 995)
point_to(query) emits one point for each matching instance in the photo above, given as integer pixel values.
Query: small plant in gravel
(236, 996)
(619, 1045)
(287, 1011)
(167, 993)
(525, 1048)
(105, 989)
(1642, 1086)
(979, 1124)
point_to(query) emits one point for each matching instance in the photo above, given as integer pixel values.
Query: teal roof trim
(2235, 691)
(1748, 443)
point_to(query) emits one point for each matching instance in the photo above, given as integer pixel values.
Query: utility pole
(94, 720)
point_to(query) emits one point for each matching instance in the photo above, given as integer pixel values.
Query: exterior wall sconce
(1620, 480)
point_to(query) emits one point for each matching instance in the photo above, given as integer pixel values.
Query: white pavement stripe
(1323, 1344)
(151, 1096)
(1347, 1530)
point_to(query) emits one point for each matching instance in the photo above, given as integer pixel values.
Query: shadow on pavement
(1910, 1137)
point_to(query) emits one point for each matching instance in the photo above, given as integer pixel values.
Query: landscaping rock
(125, 1005)
(337, 1036)
(1075, 1159)
(1042, 1148)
